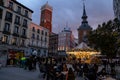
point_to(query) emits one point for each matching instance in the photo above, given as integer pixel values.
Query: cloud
(71, 11)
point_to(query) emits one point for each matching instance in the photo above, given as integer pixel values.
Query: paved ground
(14, 73)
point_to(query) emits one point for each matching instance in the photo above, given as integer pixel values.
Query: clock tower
(84, 28)
(46, 16)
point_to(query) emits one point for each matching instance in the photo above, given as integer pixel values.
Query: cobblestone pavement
(14, 73)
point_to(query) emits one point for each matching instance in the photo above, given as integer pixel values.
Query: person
(70, 75)
(102, 72)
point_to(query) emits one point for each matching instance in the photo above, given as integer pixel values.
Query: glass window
(41, 38)
(19, 9)
(23, 31)
(37, 37)
(33, 29)
(8, 16)
(45, 39)
(38, 31)
(45, 33)
(1, 13)
(17, 20)
(26, 13)
(22, 42)
(7, 27)
(42, 33)
(33, 36)
(16, 29)
(5, 39)
(10, 5)
(25, 22)
(1, 2)
(14, 41)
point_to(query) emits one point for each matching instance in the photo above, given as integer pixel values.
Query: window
(45, 39)
(8, 16)
(24, 32)
(25, 23)
(37, 37)
(14, 41)
(10, 5)
(19, 9)
(22, 42)
(41, 38)
(1, 2)
(42, 33)
(7, 27)
(38, 31)
(45, 33)
(26, 13)
(1, 13)
(17, 20)
(33, 29)
(33, 36)
(5, 39)
(16, 29)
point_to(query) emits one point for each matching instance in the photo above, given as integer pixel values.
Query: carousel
(83, 52)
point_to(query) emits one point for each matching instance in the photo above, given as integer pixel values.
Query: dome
(66, 29)
(85, 26)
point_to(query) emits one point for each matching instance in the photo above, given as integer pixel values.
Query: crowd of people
(54, 69)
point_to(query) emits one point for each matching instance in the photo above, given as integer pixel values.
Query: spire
(84, 11)
(46, 6)
(66, 24)
(84, 17)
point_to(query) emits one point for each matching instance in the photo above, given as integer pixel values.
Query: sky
(70, 12)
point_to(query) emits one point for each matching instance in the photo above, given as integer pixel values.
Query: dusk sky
(70, 11)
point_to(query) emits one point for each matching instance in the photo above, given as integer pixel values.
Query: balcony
(25, 26)
(8, 19)
(23, 45)
(23, 36)
(5, 43)
(15, 34)
(14, 44)
(18, 23)
(6, 32)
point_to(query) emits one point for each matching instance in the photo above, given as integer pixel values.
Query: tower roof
(84, 25)
(46, 6)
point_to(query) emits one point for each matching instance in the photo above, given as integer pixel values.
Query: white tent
(82, 45)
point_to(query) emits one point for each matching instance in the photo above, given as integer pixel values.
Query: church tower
(84, 28)
(46, 16)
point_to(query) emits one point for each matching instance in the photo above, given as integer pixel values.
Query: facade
(38, 40)
(84, 28)
(46, 16)
(65, 40)
(116, 8)
(53, 44)
(14, 21)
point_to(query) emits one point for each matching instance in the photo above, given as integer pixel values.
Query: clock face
(84, 33)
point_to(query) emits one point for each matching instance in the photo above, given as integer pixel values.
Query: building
(116, 8)
(84, 28)
(46, 16)
(65, 40)
(15, 19)
(53, 44)
(38, 40)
